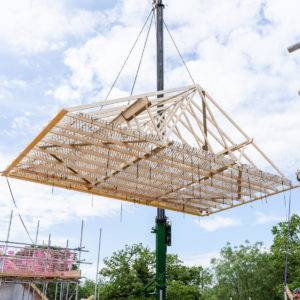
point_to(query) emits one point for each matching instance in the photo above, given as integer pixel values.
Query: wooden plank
(126, 99)
(263, 197)
(205, 146)
(155, 182)
(239, 181)
(130, 163)
(56, 275)
(196, 181)
(168, 161)
(242, 132)
(246, 185)
(132, 110)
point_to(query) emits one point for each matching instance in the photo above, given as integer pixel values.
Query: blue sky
(62, 53)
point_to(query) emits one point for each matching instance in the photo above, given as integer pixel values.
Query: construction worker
(296, 294)
(293, 296)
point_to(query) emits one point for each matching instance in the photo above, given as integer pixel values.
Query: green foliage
(87, 289)
(278, 253)
(252, 271)
(249, 270)
(177, 290)
(127, 272)
(130, 273)
(186, 282)
(243, 272)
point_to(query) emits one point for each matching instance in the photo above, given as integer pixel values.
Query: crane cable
(179, 53)
(142, 55)
(15, 204)
(128, 55)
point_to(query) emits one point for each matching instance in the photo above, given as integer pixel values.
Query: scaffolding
(39, 271)
(174, 149)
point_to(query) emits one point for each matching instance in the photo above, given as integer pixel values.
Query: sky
(62, 53)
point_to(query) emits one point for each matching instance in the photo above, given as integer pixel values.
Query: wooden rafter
(116, 149)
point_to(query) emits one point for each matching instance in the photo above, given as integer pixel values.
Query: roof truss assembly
(175, 149)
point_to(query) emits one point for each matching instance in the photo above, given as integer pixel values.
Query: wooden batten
(187, 164)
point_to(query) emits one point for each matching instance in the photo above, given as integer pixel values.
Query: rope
(15, 204)
(179, 53)
(286, 263)
(142, 55)
(126, 60)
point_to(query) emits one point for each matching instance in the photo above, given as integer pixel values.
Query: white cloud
(235, 49)
(37, 201)
(21, 123)
(64, 93)
(202, 259)
(262, 218)
(31, 26)
(52, 207)
(214, 223)
(13, 83)
(240, 58)
(8, 86)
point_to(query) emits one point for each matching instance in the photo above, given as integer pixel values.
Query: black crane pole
(163, 227)
(160, 44)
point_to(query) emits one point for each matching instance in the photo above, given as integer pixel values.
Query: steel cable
(126, 60)
(179, 53)
(15, 204)
(142, 55)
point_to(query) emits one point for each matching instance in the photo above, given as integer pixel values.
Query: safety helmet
(297, 291)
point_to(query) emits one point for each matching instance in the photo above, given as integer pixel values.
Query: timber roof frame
(175, 149)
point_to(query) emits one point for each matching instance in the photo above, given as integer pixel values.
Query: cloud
(203, 259)
(30, 26)
(8, 86)
(214, 223)
(50, 206)
(262, 218)
(64, 93)
(21, 123)
(241, 60)
(37, 202)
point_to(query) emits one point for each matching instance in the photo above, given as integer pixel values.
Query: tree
(252, 271)
(177, 290)
(127, 272)
(186, 282)
(242, 272)
(131, 271)
(86, 289)
(249, 270)
(278, 251)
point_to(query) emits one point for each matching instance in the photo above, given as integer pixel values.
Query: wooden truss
(175, 149)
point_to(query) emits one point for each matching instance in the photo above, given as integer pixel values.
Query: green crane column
(162, 228)
(161, 255)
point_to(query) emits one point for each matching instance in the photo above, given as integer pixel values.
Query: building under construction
(32, 271)
(174, 149)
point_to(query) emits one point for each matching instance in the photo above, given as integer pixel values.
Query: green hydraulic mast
(163, 227)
